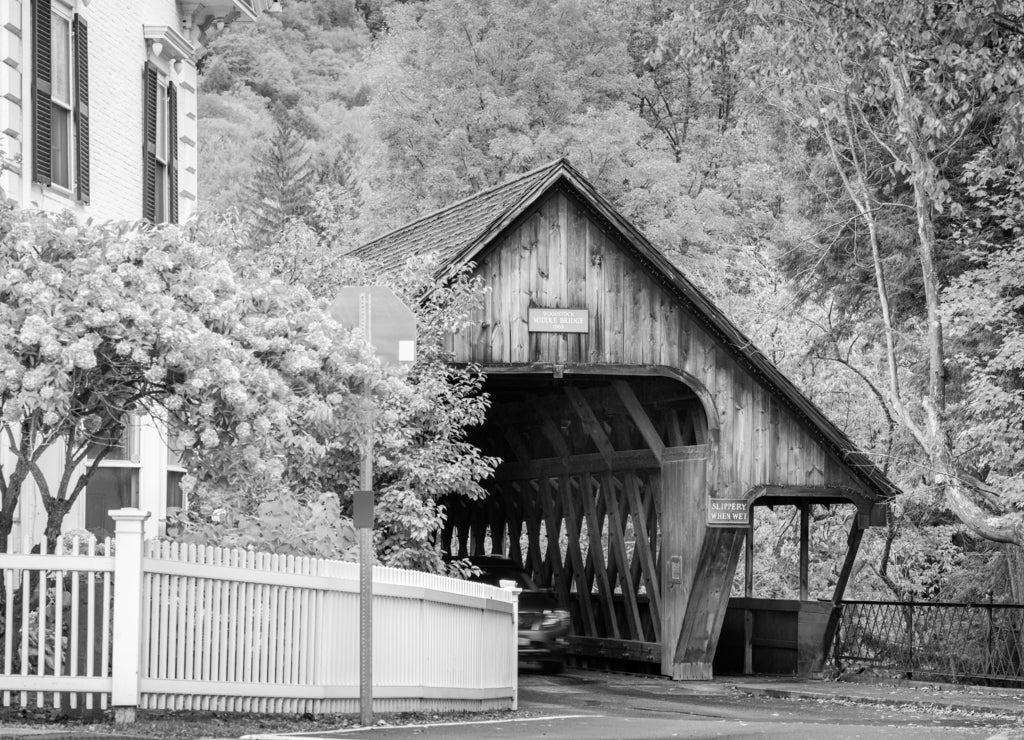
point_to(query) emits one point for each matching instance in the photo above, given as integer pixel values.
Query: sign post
(390, 328)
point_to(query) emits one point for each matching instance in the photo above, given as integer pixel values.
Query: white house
(98, 117)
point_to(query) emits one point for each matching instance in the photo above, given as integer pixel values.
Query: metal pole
(366, 550)
(910, 638)
(988, 636)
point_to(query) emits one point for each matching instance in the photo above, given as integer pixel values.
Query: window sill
(61, 193)
(116, 464)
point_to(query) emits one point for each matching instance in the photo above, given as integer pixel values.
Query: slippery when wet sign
(728, 512)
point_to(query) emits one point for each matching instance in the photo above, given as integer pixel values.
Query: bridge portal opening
(580, 500)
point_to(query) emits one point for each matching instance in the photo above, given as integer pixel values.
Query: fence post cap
(510, 585)
(129, 515)
(128, 521)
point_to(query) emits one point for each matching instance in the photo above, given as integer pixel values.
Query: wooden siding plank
(778, 452)
(524, 262)
(614, 267)
(576, 276)
(762, 436)
(546, 264)
(597, 296)
(561, 246)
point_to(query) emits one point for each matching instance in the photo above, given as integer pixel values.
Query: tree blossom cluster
(268, 398)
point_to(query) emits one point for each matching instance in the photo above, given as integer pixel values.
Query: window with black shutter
(150, 82)
(60, 99)
(81, 51)
(160, 181)
(172, 153)
(41, 77)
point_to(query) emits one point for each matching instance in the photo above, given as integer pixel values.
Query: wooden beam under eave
(640, 418)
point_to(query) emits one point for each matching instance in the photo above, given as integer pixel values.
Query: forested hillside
(842, 178)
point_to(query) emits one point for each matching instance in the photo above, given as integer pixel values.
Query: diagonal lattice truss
(577, 499)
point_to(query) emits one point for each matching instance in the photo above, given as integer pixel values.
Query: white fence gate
(162, 626)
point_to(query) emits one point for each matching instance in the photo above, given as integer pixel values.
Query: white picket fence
(160, 626)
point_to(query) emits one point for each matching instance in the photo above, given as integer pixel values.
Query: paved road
(587, 706)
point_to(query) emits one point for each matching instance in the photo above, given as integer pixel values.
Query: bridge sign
(392, 326)
(728, 512)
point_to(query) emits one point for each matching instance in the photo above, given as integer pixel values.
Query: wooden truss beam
(575, 464)
(590, 423)
(640, 418)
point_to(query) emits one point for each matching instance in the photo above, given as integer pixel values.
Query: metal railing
(957, 642)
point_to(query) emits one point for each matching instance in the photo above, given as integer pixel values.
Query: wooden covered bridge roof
(459, 233)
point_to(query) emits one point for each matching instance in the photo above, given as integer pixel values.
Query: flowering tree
(97, 322)
(264, 390)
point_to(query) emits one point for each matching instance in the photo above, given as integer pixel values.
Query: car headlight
(554, 618)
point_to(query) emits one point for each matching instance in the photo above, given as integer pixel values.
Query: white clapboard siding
(56, 625)
(234, 630)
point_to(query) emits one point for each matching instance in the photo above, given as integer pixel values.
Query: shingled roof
(452, 229)
(459, 232)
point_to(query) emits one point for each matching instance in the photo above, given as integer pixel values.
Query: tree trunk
(17, 479)
(56, 510)
(6, 525)
(1006, 527)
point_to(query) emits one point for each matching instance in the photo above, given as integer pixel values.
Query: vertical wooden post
(683, 528)
(127, 629)
(748, 559)
(748, 592)
(804, 551)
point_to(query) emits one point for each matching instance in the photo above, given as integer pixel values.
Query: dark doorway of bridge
(579, 501)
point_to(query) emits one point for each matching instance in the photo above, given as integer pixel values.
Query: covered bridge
(636, 424)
